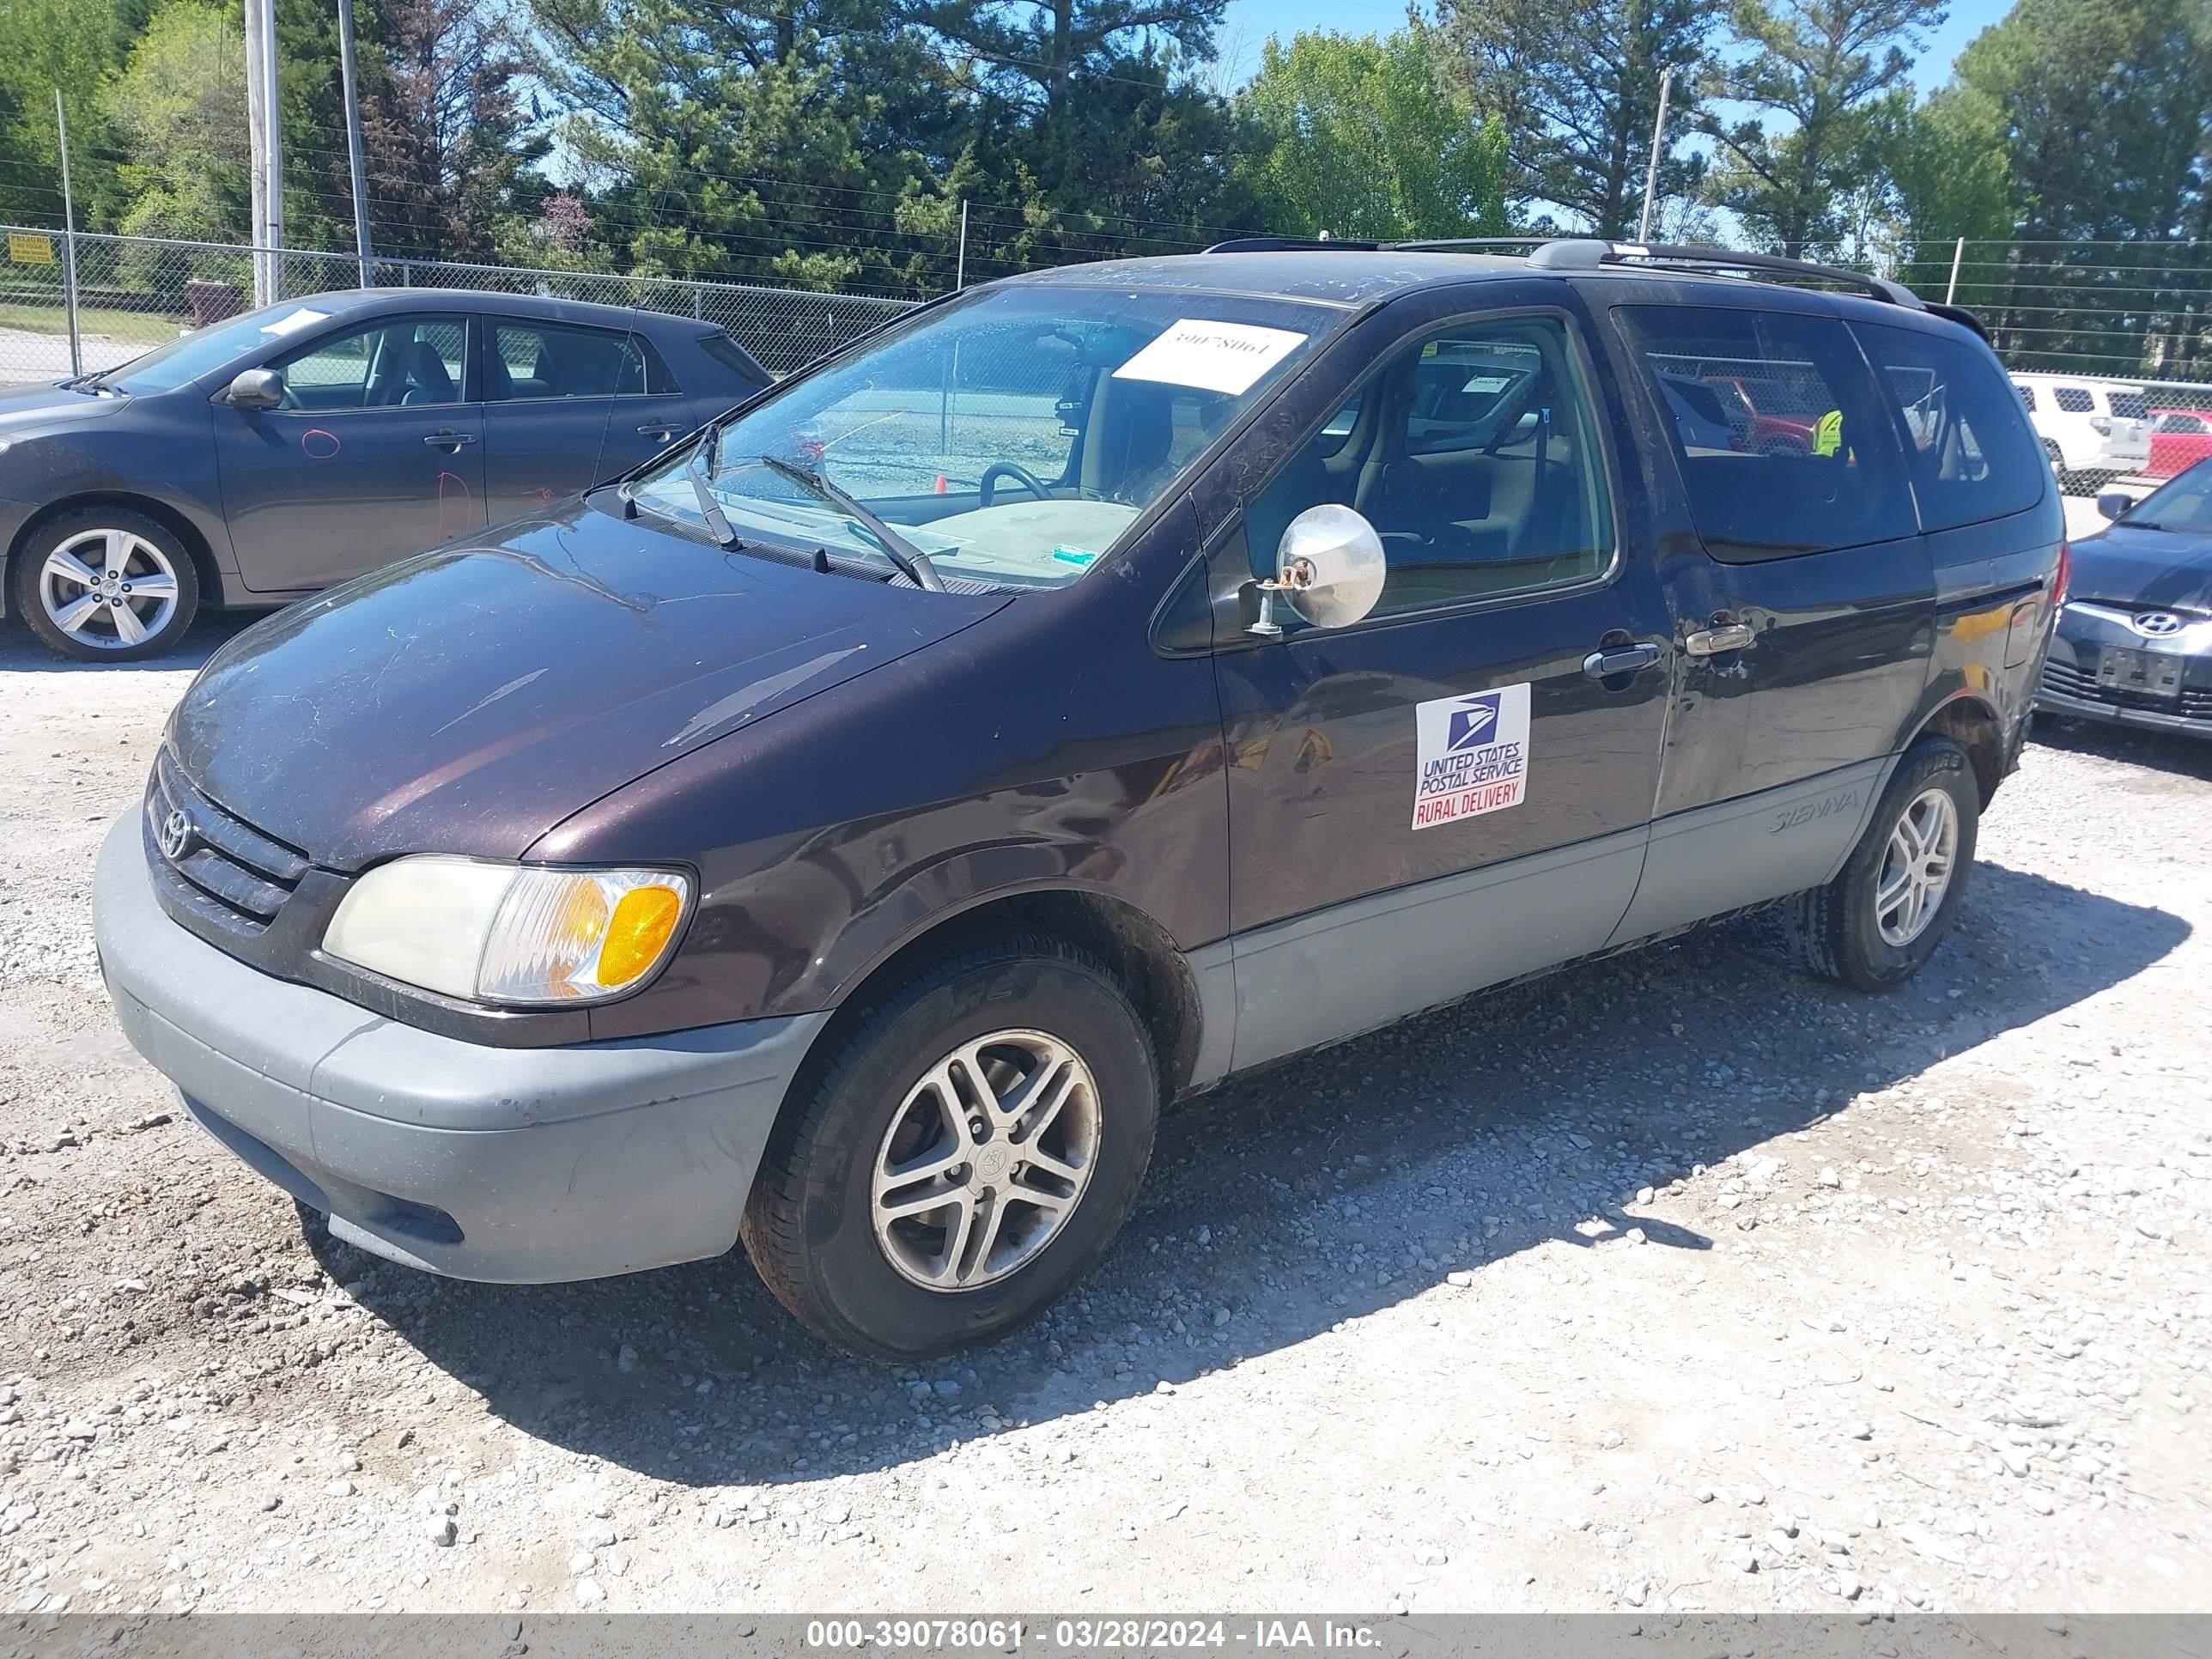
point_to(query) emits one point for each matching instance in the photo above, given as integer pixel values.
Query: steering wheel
(986, 489)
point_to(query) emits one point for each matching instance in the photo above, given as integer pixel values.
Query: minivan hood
(2153, 569)
(470, 700)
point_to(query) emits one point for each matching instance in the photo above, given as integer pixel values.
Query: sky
(1248, 23)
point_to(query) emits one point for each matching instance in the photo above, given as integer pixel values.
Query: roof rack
(1588, 253)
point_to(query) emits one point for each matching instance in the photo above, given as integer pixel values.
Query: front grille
(227, 872)
(2069, 681)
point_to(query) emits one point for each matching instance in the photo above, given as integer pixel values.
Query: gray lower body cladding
(517, 1165)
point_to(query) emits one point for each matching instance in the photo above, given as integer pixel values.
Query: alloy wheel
(108, 589)
(985, 1160)
(1916, 868)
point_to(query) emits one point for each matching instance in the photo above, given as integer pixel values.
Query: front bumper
(516, 1165)
(2070, 685)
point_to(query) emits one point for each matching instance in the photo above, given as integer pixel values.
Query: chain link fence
(129, 294)
(2106, 341)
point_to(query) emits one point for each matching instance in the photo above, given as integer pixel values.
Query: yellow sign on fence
(25, 248)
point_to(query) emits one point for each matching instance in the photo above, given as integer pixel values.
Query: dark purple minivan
(848, 833)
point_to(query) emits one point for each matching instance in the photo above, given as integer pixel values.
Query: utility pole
(257, 139)
(68, 242)
(265, 124)
(352, 143)
(1957, 257)
(960, 266)
(1658, 143)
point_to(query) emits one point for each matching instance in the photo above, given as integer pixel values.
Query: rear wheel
(105, 585)
(966, 1150)
(1877, 923)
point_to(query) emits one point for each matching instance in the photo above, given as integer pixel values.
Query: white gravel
(1670, 1283)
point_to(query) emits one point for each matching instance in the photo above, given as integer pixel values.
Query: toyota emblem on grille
(2156, 623)
(176, 834)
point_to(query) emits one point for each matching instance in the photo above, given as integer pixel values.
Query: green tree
(74, 44)
(1051, 59)
(752, 138)
(1577, 88)
(1815, 72)
(2102, 108)
(177, 109)
(1948, 169)
(1366, 138)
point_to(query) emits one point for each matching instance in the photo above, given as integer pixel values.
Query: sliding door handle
(1712, 641)
(1620, 660)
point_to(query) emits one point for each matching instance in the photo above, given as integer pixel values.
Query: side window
(2026, 394)
(2072, 399)
(532, 361)
(407, 363)
(2182, 423)
(1481, 469)
(1813, 462)
(734, 358)
(1972, 455)
(2128, 405)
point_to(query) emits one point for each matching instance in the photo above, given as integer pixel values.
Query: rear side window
(2026, 394)
(2072, 399)
(1971, 452)
(2128, 405)
(532, 361)
(1812, 462)
(734, 358)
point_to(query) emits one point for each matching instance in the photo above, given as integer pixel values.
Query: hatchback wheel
(106, 585)
(1881, 918)
(965, 1149)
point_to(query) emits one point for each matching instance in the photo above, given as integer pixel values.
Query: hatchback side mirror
(2113, 503)
(1329, 566)
(256, 388)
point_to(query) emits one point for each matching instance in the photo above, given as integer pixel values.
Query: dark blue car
(2134, 645)
(271, 455)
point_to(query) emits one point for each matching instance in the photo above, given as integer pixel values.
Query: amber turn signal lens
(638, 932)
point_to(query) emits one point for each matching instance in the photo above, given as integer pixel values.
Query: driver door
(376, 453)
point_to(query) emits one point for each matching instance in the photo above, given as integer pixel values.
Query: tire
(144, 610)
(1836, 931)
(908, 1288)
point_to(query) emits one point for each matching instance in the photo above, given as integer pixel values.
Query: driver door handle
(660, 432)
(1620, 660)
(449, 439)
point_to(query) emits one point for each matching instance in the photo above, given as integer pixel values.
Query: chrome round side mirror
(1328, 566)
(256, 388)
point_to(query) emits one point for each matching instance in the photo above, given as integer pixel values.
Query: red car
(1764, 414)
(2179, 437)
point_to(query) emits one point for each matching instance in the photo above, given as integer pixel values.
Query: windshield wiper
(2145, 524)
(912, 561)
(699, 467)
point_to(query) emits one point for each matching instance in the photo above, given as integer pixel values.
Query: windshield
(1010, 437)
(2184, 503)
(204, 350)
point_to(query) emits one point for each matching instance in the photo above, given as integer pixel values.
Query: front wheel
(1877, 923)
(966, 1150)
(105, 585)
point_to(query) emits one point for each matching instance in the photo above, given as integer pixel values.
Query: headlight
(509, 933)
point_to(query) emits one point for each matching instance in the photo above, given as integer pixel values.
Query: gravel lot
(1673, 1282)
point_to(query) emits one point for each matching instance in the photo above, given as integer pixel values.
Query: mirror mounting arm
(1297, 576)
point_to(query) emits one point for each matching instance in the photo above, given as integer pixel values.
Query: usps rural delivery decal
(1473, 755)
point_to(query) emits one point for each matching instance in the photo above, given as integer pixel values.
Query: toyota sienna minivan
(849, 832)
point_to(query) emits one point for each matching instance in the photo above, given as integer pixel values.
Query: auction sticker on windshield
(1211, 356)
(1473, 755)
